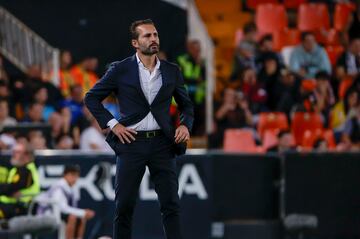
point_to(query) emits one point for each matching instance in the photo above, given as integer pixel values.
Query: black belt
(148, 134)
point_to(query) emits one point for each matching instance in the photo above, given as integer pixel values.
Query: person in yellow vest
(22, 182)
(84, 73)
(193, 71)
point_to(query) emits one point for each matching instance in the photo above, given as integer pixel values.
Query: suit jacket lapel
(165, 79)
(136, 77)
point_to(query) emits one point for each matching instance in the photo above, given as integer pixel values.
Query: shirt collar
(157, 66)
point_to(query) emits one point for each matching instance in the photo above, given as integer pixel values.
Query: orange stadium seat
(286, 37)
(272, 121)
(313, 16)
(303, 121)
(334, 52)
(252, 4)
(240, 140)
(293, 3)
(270, 18)
(342, 14)
(217, 7)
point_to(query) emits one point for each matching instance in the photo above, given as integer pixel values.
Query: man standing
(144, 135)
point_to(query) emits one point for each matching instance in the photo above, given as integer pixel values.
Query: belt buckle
(150, 134)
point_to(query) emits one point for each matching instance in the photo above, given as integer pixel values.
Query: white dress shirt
(150, 85)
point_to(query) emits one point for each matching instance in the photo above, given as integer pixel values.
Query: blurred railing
(24, 48)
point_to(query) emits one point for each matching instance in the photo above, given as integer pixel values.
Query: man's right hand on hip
(123, 133)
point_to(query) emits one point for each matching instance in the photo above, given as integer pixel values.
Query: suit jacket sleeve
(103, 88)
(184, 103)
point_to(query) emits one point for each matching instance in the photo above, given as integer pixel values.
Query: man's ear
(135, 43)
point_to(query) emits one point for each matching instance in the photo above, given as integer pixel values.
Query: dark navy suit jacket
(122, 78)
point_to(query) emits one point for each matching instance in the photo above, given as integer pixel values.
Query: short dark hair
(267, 37)
(305, 34)
(249, 27)
(72, 168)
(283, 132)
(134, 33)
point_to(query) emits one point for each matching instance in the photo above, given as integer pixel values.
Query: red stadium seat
(293, 3)
(327, 38)
(303, 121)
(313, 16)
(345, 84)
(270, 18)
(286, 37)
(334, 52)
(252, 4)
(272, 121)
(310, 138)
(270, 138)
(240, 140)
(342, 14)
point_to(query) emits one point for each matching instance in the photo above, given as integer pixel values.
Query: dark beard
(149, 51)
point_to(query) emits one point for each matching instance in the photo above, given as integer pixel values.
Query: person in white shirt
(92, 138)
(66, 197)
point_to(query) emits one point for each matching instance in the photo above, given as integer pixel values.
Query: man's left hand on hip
(182, 134)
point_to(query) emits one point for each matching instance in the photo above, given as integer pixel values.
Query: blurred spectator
(74, 104)
(22, 183)
(286, 92)
(266, 48)
(309, 58)
(65, 142)
(66, 195)
(84, 73)
(37, 140)
(253, 90)
(324, 94)
(232, 113)
(66, 79)
(348, 63)
(339, 113)
(193, 71)
(7, 141)
(41, 96)
(285, 143)
(3, 75)
(5, 119)
(245, 52)
(270, 76)
(93, 139)
(34, 113)
(351, 134)
(5, 94)
(33, 81)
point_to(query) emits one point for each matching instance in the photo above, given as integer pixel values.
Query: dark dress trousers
(158, 153)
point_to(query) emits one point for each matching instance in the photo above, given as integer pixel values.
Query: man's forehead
(147, 28)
